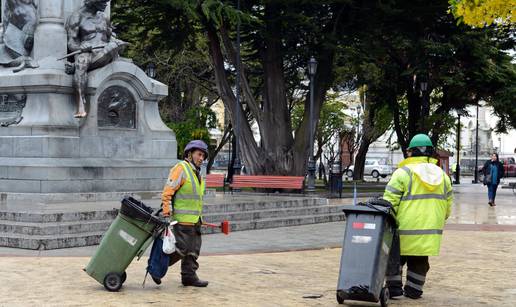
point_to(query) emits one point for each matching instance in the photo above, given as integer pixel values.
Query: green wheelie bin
(132, 231)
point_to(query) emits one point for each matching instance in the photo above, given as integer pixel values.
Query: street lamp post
(312, 68)
(359, 109)
(457, 165)
(339, 166)
(476, 151)
(425, 110)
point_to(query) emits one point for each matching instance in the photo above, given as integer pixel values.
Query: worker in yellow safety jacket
(421, 196)
(182, 198)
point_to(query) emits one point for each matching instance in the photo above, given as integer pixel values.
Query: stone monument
(19, 20)
(118, 141)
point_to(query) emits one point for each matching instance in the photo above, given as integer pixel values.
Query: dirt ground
(474, 269)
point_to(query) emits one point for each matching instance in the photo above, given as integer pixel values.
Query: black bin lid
(137, 210)
(373, 205)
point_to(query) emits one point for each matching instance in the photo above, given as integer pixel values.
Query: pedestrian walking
(493, 171)
(421, 195)
(182, 199)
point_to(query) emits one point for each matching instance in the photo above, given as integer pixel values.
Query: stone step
(35, 217)
(102, 224)
(50, 241)
(263, 205)
(45, 242)
(271, 213)
(54, 228)
(31, 217)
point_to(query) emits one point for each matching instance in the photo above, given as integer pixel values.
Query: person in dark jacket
(493, 172)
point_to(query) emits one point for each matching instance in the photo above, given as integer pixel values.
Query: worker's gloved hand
(164, 219)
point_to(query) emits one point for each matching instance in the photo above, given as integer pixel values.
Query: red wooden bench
(215, 181)
(268, 182)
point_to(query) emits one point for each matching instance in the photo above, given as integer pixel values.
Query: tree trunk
(371, 132)
(280, 153)
(251, 154)
(358, 171)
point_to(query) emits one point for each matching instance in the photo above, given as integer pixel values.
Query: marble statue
(19, 25)
(92, 45)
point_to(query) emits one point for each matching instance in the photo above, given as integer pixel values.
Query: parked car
(509, 165)
(373, 167)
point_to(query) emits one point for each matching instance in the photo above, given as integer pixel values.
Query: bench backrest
(215, 180)
(270, 182)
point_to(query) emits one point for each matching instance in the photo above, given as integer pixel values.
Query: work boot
(395, 292)
(194, 282)
(156, 280)
(412, 293)
(412, 296)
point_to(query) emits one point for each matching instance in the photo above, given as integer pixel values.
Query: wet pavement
(287, 266)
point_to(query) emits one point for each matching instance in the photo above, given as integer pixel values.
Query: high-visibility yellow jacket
(421, 195)
(187, 192)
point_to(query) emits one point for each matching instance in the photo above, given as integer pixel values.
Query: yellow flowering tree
(481, 13)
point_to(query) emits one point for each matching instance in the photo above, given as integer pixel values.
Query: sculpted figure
(93, 45)
(19, 24)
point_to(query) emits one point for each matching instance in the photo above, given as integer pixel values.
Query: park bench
(215, 181)
(268, 182)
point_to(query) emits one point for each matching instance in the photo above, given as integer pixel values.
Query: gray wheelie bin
(132, 231)
(365, 252)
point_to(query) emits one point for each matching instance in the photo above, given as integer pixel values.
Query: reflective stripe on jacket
(188, 199)
(421, 195)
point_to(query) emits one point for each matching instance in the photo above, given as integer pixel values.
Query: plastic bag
(169, 241)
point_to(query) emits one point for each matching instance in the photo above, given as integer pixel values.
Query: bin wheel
(124, 277)
(340, 297)
(113, 282)
(384, 297)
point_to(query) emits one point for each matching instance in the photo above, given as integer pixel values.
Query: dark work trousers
(188, 248)
(417, 267)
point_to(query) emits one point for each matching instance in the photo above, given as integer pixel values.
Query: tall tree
(434, 65)
(277, 41)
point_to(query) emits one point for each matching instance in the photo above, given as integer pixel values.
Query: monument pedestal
(122, 145)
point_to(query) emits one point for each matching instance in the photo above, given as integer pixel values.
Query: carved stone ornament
(11, 109)
(116, 108)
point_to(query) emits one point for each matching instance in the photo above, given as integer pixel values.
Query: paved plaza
(290, 266)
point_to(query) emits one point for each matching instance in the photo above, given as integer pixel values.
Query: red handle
(211, 225)
(224, 226)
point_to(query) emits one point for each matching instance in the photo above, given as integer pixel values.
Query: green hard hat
(420, 140)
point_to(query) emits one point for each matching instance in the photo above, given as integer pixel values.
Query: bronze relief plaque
(116, 108)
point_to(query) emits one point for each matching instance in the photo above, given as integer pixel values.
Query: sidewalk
(475, 268)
